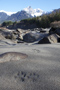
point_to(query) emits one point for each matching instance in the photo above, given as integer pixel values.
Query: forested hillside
(43, 21)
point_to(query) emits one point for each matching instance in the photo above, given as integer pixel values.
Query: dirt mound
(9, 56)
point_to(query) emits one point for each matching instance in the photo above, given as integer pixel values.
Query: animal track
(36, 50)
(24, 76)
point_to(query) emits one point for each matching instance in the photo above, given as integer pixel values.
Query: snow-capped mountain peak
(34, 12)
(29, 10)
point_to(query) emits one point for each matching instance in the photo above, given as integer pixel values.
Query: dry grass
(55, 24)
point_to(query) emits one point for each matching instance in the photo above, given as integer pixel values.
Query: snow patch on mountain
(8, 13)
(34, 12)
(29, 10)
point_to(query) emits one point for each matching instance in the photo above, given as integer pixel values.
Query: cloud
(8, 13)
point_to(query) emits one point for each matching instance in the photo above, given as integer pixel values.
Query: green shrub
(7, 23)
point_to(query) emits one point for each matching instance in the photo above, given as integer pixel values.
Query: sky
(18, 5)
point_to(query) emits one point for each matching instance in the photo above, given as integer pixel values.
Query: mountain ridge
(34, 12)
(29, 8)
(19, 16)
(26, 13)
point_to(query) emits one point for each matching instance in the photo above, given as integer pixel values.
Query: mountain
(34, 12)
(19, 16)
(28, 12)
(23, 14)
(3, 16)
(56, 10)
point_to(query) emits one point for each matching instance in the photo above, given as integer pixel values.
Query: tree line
(43, 21)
